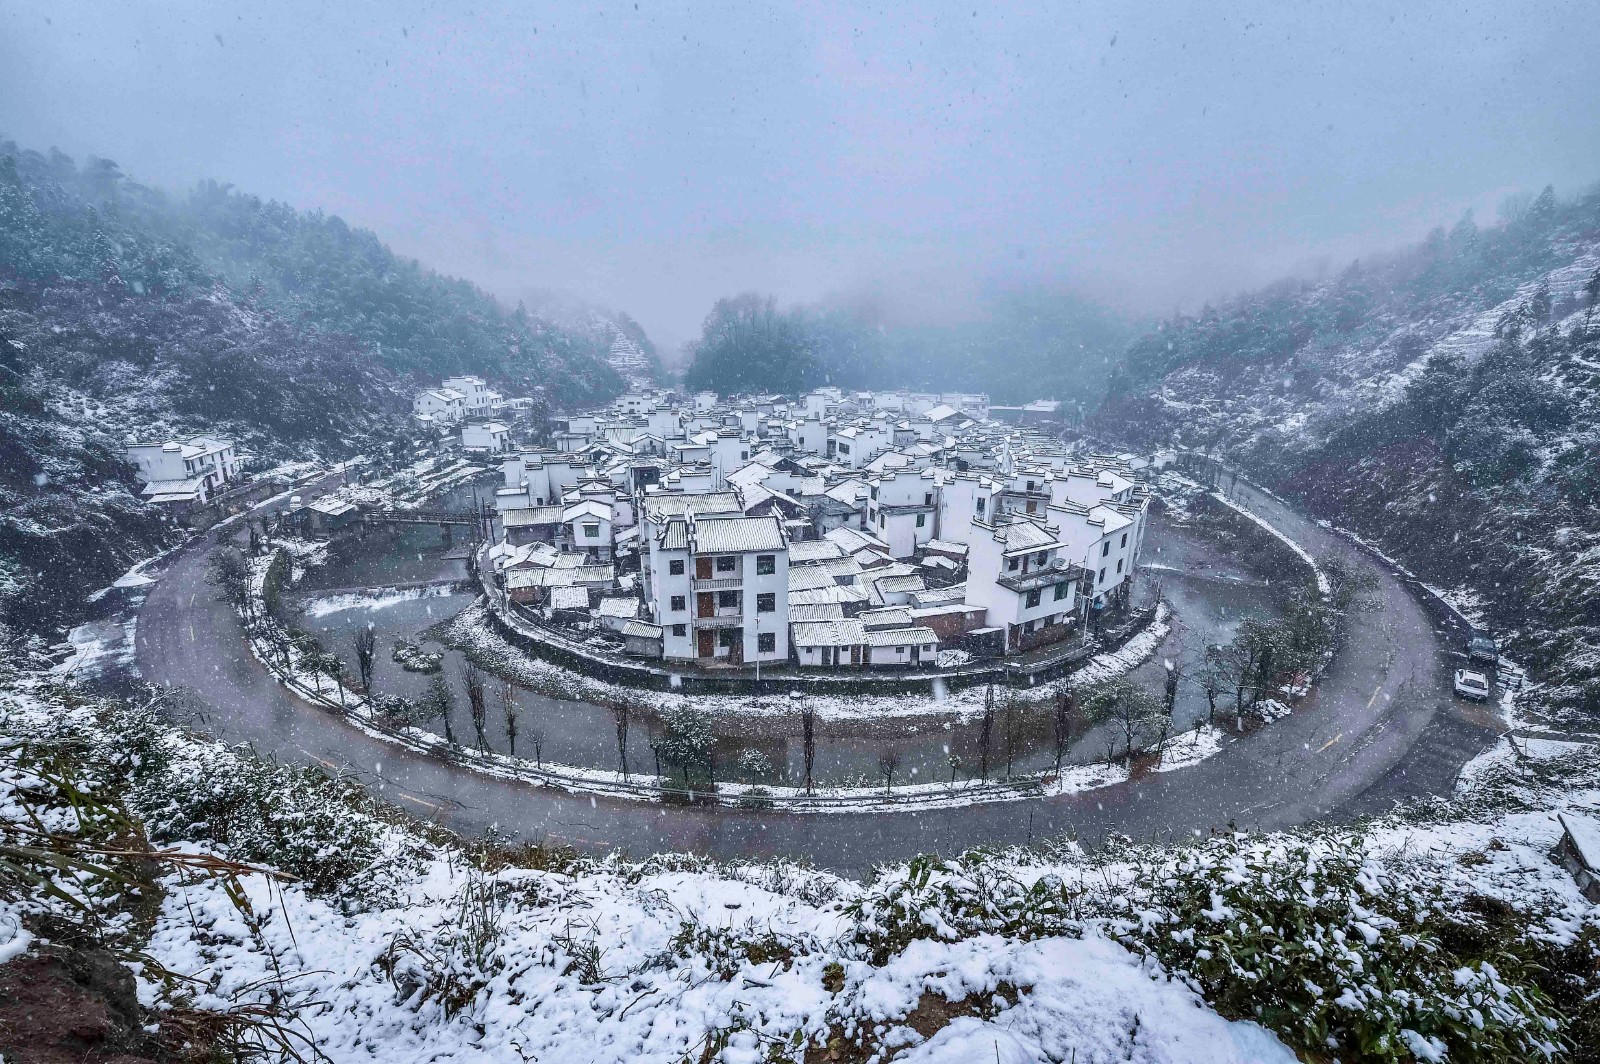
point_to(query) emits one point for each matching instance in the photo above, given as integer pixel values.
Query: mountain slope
(127, 312)
(1445, 403)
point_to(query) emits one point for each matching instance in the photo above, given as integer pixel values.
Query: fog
(652, 157)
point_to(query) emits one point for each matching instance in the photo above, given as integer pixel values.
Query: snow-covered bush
(1336, 950)
(948, 900)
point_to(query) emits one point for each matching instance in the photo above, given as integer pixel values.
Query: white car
(1473, 685)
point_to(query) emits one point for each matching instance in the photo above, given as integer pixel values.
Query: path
(1380, 726)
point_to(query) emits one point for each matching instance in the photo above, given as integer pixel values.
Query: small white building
(486, 437)
(441, 407)
(183, 472)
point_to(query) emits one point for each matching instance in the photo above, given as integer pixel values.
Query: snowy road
(1381, 726)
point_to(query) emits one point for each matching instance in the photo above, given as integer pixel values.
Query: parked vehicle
(1473, 685)
(1481, 647)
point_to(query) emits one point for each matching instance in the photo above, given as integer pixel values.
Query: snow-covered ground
(436, 953)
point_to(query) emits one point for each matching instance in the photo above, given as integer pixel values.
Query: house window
(1042, 557)
(1102, 576)
(766, 564)
(899, 650)
(766, 642)
(1119, 565)
(922, 519)
(727, 600)
(882, 521)
(725, 637)
(726, 564)
(844, 448)
(592, 531)
(1027, 629)
(766, 602)
(980, 506)
(1124, 539)
(680, 629)
(1030, 485)
(675, 567)
(1033, 598)
(679, 603)
(1061, 590)
(1105, 548)
(927, 498)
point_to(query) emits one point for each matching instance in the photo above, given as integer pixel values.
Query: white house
(586, 528)
(1102, 539)
(903, 510)
(180, 472)
(1019, 571)
(486, 437)
(477, 397)
(718, 586)
(439, 406)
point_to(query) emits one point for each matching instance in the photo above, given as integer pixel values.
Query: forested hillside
(1444, 402)
(1021, 345)
(126, 311)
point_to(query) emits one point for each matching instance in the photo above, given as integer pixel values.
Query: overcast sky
(652, 156)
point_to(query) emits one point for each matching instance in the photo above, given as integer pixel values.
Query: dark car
(1481, 647)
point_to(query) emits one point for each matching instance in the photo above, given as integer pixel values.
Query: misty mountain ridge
(125, 312)
(1017, 343)
(1443, 402)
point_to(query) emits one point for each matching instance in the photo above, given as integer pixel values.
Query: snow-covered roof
(806, 551)
(806, 577)
(838, 593)
(1585, 835)
(896, 637)
(618, 607)
(529, 516)
(840, 633)
(819, 611)
(332, 507)
(733, 535)
(570, 598)
(641, 630)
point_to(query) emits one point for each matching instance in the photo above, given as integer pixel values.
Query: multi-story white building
(180, 472)
(1018, 569)
(478, 398)
(439, 406)
(903, 510)
(719, 589)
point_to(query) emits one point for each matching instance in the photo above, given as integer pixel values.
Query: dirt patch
(60, 1006)
(933, 1013)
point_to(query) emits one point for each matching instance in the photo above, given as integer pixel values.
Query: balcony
(723, 583)
(721, 619)
(1039, 578)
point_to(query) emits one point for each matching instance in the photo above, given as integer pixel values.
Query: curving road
(1381, 726)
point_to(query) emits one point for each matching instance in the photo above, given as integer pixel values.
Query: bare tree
(508, 705)
(620, 713)
(477, 704)
(1011, 736)
(888, 765)
(366, 642)
(1132, 712)
(1066, 709)
(435, 705)
(986, 735)
(808, 734)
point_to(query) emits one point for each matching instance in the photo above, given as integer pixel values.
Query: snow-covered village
(781, 536)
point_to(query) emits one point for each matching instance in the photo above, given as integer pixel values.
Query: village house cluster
(833, 530)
